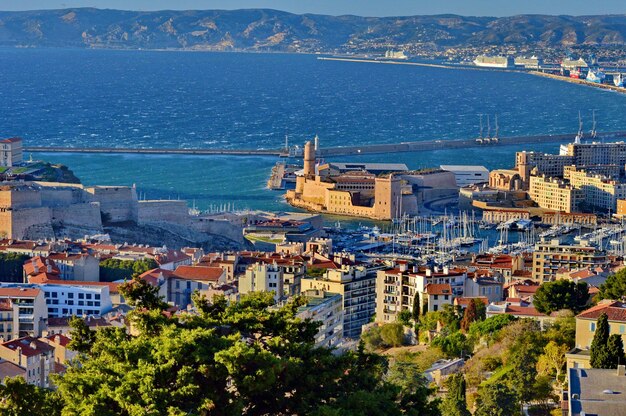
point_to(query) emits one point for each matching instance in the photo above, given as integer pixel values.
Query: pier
(402, 147)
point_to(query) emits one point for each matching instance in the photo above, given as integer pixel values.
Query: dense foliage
(115, 269)
(561, 294)
(614, 287)
(455, 402)
(11, 267)
(607, 351)
(245, 358)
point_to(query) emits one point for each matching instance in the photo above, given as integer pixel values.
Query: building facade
(550, 256)
(554, 194)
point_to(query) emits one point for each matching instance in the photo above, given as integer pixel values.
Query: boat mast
(496, 135)
(488, 127)
(579, 136)
(480, 136)
(593, 128)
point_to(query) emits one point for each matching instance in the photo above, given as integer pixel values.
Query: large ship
(396, 55)
(494, 61)
(618, 80)
(596, 76)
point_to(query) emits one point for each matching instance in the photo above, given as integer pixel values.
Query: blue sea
(59, 97)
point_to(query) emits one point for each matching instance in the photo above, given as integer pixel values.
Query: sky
(357, 7)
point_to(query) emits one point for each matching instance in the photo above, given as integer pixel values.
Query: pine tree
(469, 316)
(416, 307)
(599, 351)
(454, 404)
(615, 350)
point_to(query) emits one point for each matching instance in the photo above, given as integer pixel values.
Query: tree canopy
(561, 294)
(245, 358)
(614, 287)
(116, 269)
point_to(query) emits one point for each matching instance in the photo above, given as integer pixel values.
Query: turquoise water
(176, 99)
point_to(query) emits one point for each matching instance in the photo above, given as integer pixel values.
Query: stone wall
(218, 227)
(16, 222)
(118, 203)
(85, 215)
(176, 212)
(20, 197)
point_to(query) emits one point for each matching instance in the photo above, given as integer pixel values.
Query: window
(96, 297)
(81, 296)
(592, 326)
(88, 296)
(70, 296)
(436, 297)
(70, 302)
(199, 285)
(189, 285)
(54, 294)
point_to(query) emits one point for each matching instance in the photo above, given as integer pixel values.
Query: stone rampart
(176, 212)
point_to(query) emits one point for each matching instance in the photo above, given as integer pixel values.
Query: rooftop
(596, 392)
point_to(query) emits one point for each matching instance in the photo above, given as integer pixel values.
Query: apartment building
(551, 256)
(555, 194)
(396, 289)
(35, 356)
(11, 153)
(598, 191)
(357, 286)
(29, 313)
(263, 277)
(327, 308)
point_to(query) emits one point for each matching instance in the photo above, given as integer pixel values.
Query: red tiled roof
(18, 292)
(198, 273)
(523, 311)
(30, 346)
(615, 311)
(61, 340)
(41, 264)
(438, 289)
(152, 276)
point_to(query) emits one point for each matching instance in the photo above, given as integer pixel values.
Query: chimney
(403, 267)
(57, 339)
(446, 270)
(621, 370)
(415, 270)
(428, 272)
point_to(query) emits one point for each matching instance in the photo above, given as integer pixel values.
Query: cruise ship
(494, 61)
(396, 55)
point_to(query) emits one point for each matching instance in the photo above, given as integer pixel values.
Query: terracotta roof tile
(615, 311)
(439, 289)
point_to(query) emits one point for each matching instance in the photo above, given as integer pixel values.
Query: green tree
(115, 269)
(552, 361)
(561, 294)
(615, 350)
(496, 399)
(17, 398)
(416, 307)
(406, 373)
(452, 345)
(404, 317)
(599, 352)
(455, 402)
(392, 334)
(246, 358)
(82, 338)
(614, 287)
(11, 267)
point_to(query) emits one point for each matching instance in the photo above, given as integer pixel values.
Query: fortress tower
(309, 161)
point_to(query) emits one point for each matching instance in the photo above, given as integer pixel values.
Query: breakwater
(580, 82)
(402, 147)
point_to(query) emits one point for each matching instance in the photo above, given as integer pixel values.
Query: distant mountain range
(262, 29)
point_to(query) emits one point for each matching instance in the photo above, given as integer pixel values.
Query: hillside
(263, 30)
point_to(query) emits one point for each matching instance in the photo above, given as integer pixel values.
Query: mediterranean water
(91, 98)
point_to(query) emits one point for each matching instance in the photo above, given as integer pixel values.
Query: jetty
(401, 147)
(579, 81)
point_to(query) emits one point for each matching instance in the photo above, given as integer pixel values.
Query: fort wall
(176, 212)
(118, 203)
(86, 215)
(15, 223)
